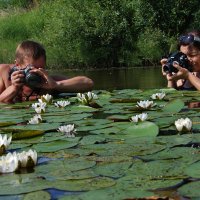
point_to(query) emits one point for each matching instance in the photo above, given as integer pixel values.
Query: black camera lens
(33, 80)
(169, 68)
(178, 57)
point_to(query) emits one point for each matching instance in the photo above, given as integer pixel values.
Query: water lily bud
(141, 117)
(46, 98)
(86, 98)
(158, 96)
(68, 130)
(62, 104)
(35, 120)
(145, 104)
(27, 159)
(4, 142)
(183, 125)
(9, 163)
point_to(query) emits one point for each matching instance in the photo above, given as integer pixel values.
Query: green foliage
(16, 28)
(14, 3)
(172, 17)
(97, 33)
(152, 44)
(93, 33)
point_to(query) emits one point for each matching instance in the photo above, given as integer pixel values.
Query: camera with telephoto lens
(178, 57)
(31, 79)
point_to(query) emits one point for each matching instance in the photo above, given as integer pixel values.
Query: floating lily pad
(92, 139)
(53, 146)
(69, 169)
(174, 106)
(190, 190)
(114, 170)
(109, 193)
(142, 129)
(20, 184)
(26, 134)
(193, 170)
(39, 195)
(85, 184)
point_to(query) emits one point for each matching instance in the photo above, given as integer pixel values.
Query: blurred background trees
(97, 33)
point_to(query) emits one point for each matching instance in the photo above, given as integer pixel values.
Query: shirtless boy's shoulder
(4, 71)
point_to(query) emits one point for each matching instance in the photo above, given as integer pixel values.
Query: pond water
(132, 78)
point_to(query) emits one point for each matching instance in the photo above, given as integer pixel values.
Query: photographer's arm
(76, 84)
(183, 73)
(62, 84)
(171, 83)
(194, 80)
(8, 95)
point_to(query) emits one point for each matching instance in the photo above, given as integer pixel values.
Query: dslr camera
(179, 57)
(31, 79)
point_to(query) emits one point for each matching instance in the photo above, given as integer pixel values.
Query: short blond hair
(29, 49)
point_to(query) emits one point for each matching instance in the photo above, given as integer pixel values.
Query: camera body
(179, 57)
(31, 79)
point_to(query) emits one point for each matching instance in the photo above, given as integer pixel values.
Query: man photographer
(181, 76)
(27, 78)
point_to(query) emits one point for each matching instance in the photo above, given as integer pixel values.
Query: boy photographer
(27, 78)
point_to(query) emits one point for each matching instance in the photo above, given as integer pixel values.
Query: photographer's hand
(49, 82)
(163, 62)
(182, 73)
(170, 82)
(14, 87)
(17, 79)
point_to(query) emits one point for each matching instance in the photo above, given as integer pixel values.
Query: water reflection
(132, 78)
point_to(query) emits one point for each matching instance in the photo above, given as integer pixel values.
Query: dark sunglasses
(188, 39)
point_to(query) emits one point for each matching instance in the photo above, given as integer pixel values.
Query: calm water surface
(132, 78)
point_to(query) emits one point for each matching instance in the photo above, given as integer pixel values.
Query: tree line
(97, 33)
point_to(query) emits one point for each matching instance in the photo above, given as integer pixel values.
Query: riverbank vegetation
(97, 33)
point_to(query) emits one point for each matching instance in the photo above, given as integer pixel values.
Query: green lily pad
(114, 170)
(54, 146)
(69, 169)
(20, 184)
(174, 106)
(193, 170)
(85, 184)
(92, 139)
(39, 195)
(26, 134)
(109, 193)
(190, 190)
(142, 129)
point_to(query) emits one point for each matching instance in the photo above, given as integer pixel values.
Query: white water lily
(35, 120)
(145, 104)
(141, 117)
(46, 98)
(39, 107)
(27, 159)
(61, 104)
(183, 124)
(158, 96)
(4, 140)
(86, 98)
(68, 130)
(9, 163)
